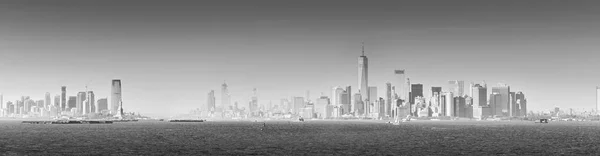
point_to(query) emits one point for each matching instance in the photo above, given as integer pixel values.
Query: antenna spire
(363, 48)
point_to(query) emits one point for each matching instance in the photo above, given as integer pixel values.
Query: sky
(170, 54)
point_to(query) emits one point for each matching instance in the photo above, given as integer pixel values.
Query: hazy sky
(170, 54)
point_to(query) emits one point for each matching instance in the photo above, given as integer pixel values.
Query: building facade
(116, 96)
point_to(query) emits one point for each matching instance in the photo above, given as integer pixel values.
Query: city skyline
(178, 53)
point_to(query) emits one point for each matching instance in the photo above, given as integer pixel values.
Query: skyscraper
(388, 100)
(408, 90)
(372, 100)
(461, 88)
(471, 89)
(336, 95)
(285, 105)
(437, 90)
(501, 105)
(358, 105)
(512, 104)
(91, 103)
(400, 84)
(71, 103)
(321, 107)
(363, 76)
(522, 102)
(225, 97)
(210, 102)
(80, 102)
(479, 95)
(416, 90)
(449, 104)
(116, 96)
(47, 102)
(254, 102)
(57, 102)
(382, 107)
(63, 98)
(346, 104)
(457, 87)
(102, 105)
(298, 104)
(598, 100)
(349, 97)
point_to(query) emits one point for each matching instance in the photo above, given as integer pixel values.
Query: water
(302, 138)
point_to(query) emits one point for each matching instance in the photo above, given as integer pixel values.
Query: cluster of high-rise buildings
(401, 98)
(81, 104)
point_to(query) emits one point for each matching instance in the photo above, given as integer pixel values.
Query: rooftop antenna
(363, 48)
(86, 85)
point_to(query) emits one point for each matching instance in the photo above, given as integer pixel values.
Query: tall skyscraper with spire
(225, 97)
(116, 96)
(363, 76)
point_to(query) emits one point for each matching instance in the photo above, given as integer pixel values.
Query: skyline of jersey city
(169, 57)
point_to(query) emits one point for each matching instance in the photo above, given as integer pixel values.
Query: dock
(67, 122)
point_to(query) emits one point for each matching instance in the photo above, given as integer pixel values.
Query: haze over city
(170, 55)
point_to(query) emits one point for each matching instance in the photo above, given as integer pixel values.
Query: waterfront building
(116, 95)
(501, 102)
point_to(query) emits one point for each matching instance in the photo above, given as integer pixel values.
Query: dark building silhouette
(437, 90)
(416, 90)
